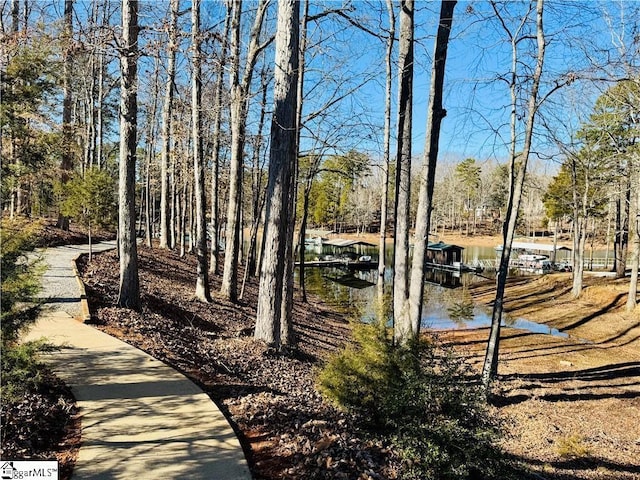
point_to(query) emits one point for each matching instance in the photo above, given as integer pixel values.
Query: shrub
(27, 411)
(20, 276)
(420, 397)
(573, 446)
(21, 370)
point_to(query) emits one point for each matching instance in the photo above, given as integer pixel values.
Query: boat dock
(455, 267)
(340, 263)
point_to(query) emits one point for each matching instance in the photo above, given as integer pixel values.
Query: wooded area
(226, 130)
(213, 135)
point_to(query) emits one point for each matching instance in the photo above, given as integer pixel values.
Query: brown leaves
(41, 424)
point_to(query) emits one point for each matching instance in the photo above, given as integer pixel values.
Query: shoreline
(464, 240)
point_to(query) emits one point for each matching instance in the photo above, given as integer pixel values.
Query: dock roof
(443, 246)
(344, 243)
(541, 247)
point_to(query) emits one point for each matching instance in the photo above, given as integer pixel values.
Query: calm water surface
(447, 302)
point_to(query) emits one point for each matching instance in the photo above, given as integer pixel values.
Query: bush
(420, 397)
(35, 406)
(20, 274)
(21, 371)
(20, 277)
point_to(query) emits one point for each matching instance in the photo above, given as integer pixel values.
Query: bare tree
(403, 174)
(517, 171)
(167, 111)
(150, 153)
(202, 279)
(435, 114)
(634, 232)
(286, 326)
(384, 200)
(257, 190)
(215, 148)
(635, 255)
(580, 205)
(129, 293)
(239, 99)
(282, 159)
(67, 129)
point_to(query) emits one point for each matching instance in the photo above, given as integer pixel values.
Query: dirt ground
(571, 405)
(456, 238)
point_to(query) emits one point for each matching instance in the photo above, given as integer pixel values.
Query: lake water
(447, 302)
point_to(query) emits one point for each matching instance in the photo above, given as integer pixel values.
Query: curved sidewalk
(140, 418)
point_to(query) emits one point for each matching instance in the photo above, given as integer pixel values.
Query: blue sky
(578, 34)
(342, 57)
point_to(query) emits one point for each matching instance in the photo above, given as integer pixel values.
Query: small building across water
(443, 254)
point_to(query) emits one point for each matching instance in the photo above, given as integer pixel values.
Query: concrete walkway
(140, 418)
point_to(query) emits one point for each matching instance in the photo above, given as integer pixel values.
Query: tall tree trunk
(230, 272)
(129, 294)
(578, 257)
(192, 222)
(282, 158)
(579, 228)
(301, 238)
(402, 329)
(150, 150)
(435, 114)
(182, 217)
(621, 244)
(173, 207)
(286, 306)
(214, 263)
(15, 16)
(384, 201)
(239, 99)
(622, 235)
(253, 242)
(99, 115)
(256, 182)
(167, 112)
(516, 184)
(299, 106)
(617, 237)
(15, 28)
(67, 129)
(635, 239)
(202, 278)
(90, 144)
(286, 325)
(147, 202)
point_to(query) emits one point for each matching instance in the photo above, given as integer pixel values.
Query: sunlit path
(140, 418)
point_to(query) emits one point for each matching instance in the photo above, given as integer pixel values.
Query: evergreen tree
(91, 201)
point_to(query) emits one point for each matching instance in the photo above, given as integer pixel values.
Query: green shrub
(21, 370)
(420, 397)
(20, 275)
